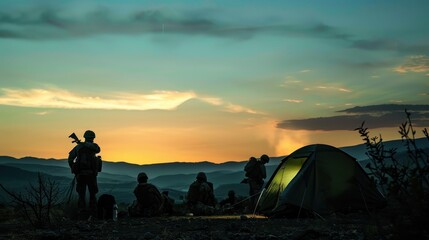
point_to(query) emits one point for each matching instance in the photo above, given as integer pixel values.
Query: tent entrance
(283, 176)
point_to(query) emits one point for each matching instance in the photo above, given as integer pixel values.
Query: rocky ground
(214, 227)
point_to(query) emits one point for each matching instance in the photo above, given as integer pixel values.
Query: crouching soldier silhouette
(230, 200)
(201, 200)
(149, 201)
(231, 204)
(85, 165)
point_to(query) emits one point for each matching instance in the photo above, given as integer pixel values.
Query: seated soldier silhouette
(200, 198)
(149, 201)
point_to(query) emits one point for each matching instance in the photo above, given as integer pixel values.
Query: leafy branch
(404, 178)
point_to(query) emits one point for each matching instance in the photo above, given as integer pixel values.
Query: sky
(188, 81)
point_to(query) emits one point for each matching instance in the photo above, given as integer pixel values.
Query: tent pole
(363, 197)
(302, 201)
(247, 198)
(257, 202)
(315, 213)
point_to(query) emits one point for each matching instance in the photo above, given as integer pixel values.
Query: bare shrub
(37, 201)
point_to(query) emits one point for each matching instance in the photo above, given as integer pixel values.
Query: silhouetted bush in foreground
(403, 179)
(38, 201)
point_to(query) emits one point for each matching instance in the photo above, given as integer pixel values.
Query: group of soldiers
(200, 198)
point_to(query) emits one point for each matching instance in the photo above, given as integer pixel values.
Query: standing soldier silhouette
(256, 173)
(85, 165)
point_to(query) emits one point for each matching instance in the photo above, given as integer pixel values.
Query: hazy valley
(118, 178)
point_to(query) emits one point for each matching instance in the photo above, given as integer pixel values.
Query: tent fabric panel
(368, 191)
(334, 176)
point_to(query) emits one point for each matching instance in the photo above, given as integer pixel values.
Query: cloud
(293, 100)
(292, 82)
(330, 88)
(41, 113)
(50, 24)
(369, 64)
(213, 101)
(239, 109)
(417, 64)
(335, 88)
(9, 34)
(383, 108)
(375, 116)
(229, 107)
(387, 45)
(59, 98)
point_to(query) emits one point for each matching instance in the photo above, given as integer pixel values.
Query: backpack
(105, 206)
(253, 169)
(209, 192)
(86, 162)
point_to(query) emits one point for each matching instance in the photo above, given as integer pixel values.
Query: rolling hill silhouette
(119, 178)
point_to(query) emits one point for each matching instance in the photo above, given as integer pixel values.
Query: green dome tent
(318, 179)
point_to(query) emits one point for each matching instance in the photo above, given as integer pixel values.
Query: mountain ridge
(119, 178)
(387, 144)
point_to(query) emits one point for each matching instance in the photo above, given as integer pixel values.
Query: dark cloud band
(376, 116)
(53, 24)
(103, 21)
(388, 45)
(386, 108)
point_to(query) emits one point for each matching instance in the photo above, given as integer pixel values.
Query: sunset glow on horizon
(208, 80)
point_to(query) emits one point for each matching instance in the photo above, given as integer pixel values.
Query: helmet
(201, 176)
(265, 158)
(89, 134)
(142, 177)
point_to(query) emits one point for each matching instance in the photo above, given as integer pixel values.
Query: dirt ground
(215, 227)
